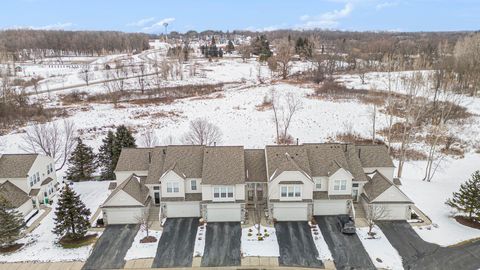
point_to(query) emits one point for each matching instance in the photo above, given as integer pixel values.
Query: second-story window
(318, 185)
(340, 185)
(193, 184)
(173, 188)
(223, 192)
(291, 191)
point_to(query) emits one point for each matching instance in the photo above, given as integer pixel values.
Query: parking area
(222, 244)
(175, 248)
(347, 249)
(418, 254)
(110, 249)
(296, 245)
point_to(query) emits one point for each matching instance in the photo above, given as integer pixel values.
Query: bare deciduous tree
(202, 132)
(149, 138)
(374, 212)
(245, 51)
(86, 75)
(145, 223)
(169, 140)
(284, 54)
(283, 112)
(52, 140)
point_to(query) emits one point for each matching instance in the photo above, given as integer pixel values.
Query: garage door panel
(224, 213)
(183, 210)
(329, 207)
(290, 212)
(123, 215)
(395, 212)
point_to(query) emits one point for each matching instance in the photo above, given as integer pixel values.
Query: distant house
(221, 183)
(31, 174)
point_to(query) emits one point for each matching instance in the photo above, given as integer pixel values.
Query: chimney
(359, 151)
(149, 157)
(297, 141)
(214, 143)
(164, 152)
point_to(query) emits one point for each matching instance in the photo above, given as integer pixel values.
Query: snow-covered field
(251, 246)
(40, 245)
(382, 253)
(143, 250)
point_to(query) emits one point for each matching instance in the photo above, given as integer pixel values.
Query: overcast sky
(182, 15)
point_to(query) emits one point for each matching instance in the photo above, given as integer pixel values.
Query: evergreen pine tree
(71, 215)
(105, 157)
(123, 139)
(11, 222)
(81, 161)
(467, 199)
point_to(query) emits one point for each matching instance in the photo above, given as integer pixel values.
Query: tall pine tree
(105, 157)
(467, 199)
(11, 222)
(71, 215)
(81, 161)
(123, 139)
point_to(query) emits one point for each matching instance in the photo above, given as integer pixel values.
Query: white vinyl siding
(340, 185)
(173, 188)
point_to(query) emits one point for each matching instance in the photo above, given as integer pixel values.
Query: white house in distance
(222, 183)
(27, 180)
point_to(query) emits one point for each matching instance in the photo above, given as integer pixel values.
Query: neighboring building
(33, 174)
(219, 183)
(17, 198)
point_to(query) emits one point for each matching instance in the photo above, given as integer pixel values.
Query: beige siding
(122, 199)
(188, 186)
(341, 174)
(307, 186)
(392, 194)
(172, 177)
(25, 208)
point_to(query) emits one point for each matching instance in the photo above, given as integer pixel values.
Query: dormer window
(340, 185)
(291, 191)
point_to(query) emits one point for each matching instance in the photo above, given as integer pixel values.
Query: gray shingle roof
(134, 159)
(185, 160)
(34, 192)
(16, 165)
(255, 165)
(354, 164)
(46, 181)
(376, 186)
(374, 156)
(135, 187)
(13, 194)
(223, 165)
(325, 159)
(286, 158)
(156, 166)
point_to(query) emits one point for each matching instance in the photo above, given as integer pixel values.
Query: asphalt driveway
(418, 254)
(222, 244)
(175, 248)
(110, 249)
(347, 249)
(296, 245)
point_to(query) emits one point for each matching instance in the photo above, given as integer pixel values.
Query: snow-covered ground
(200, 241)
(143, 250)
(430, 197)
(40, 245)
(34, 218)
(382, 253)
(251, 246)
(324, 253)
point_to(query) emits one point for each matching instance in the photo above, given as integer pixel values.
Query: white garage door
(122, 215)
(396, 212)
(224, 212)
(184, 209)
(329, 207)
(290, 212)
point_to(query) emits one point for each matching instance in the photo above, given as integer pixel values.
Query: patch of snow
(41, 244)
(380, 248)
(143, 250)
(324, 253)
(33, 217)
(251, 246)
(430, 197)
(200, 241)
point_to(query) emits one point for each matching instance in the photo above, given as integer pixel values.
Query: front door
(355, 194)
(157, 198)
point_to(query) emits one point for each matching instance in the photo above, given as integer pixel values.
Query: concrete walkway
(37, 222)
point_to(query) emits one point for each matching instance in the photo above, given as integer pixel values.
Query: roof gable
(16, 165)
(156, 165)
(286, 158)
(134, 159)
(134, 187)
(392, 194)
(378, 185)
(13, 194)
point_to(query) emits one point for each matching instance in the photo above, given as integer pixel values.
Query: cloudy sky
(182, 15)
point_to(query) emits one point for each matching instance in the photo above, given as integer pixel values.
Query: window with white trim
(291, 191)
(220, 193)
(173, 188)
(193, 184)
(318, 184)
(340, 185)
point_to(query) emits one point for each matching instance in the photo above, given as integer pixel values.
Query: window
(193, 184)
(30, 179)
(223, 192)
(340, 185)
(291, 191)
(156, 188)
(173, 188)
(318, 185)
(355, 185)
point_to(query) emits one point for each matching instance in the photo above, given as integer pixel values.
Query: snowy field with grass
(41, 244)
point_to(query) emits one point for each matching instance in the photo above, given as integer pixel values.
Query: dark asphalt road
(347, 250)
(110, 250)
(296, 245)
(222, 244)
(176, 245)
(418, 254)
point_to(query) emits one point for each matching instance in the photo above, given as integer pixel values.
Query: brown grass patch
(353, 137)
(160, 114)
(79, 242)
(11, 248)
(410, 154)
(217, 96)
(148, 239)
(468, 222)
